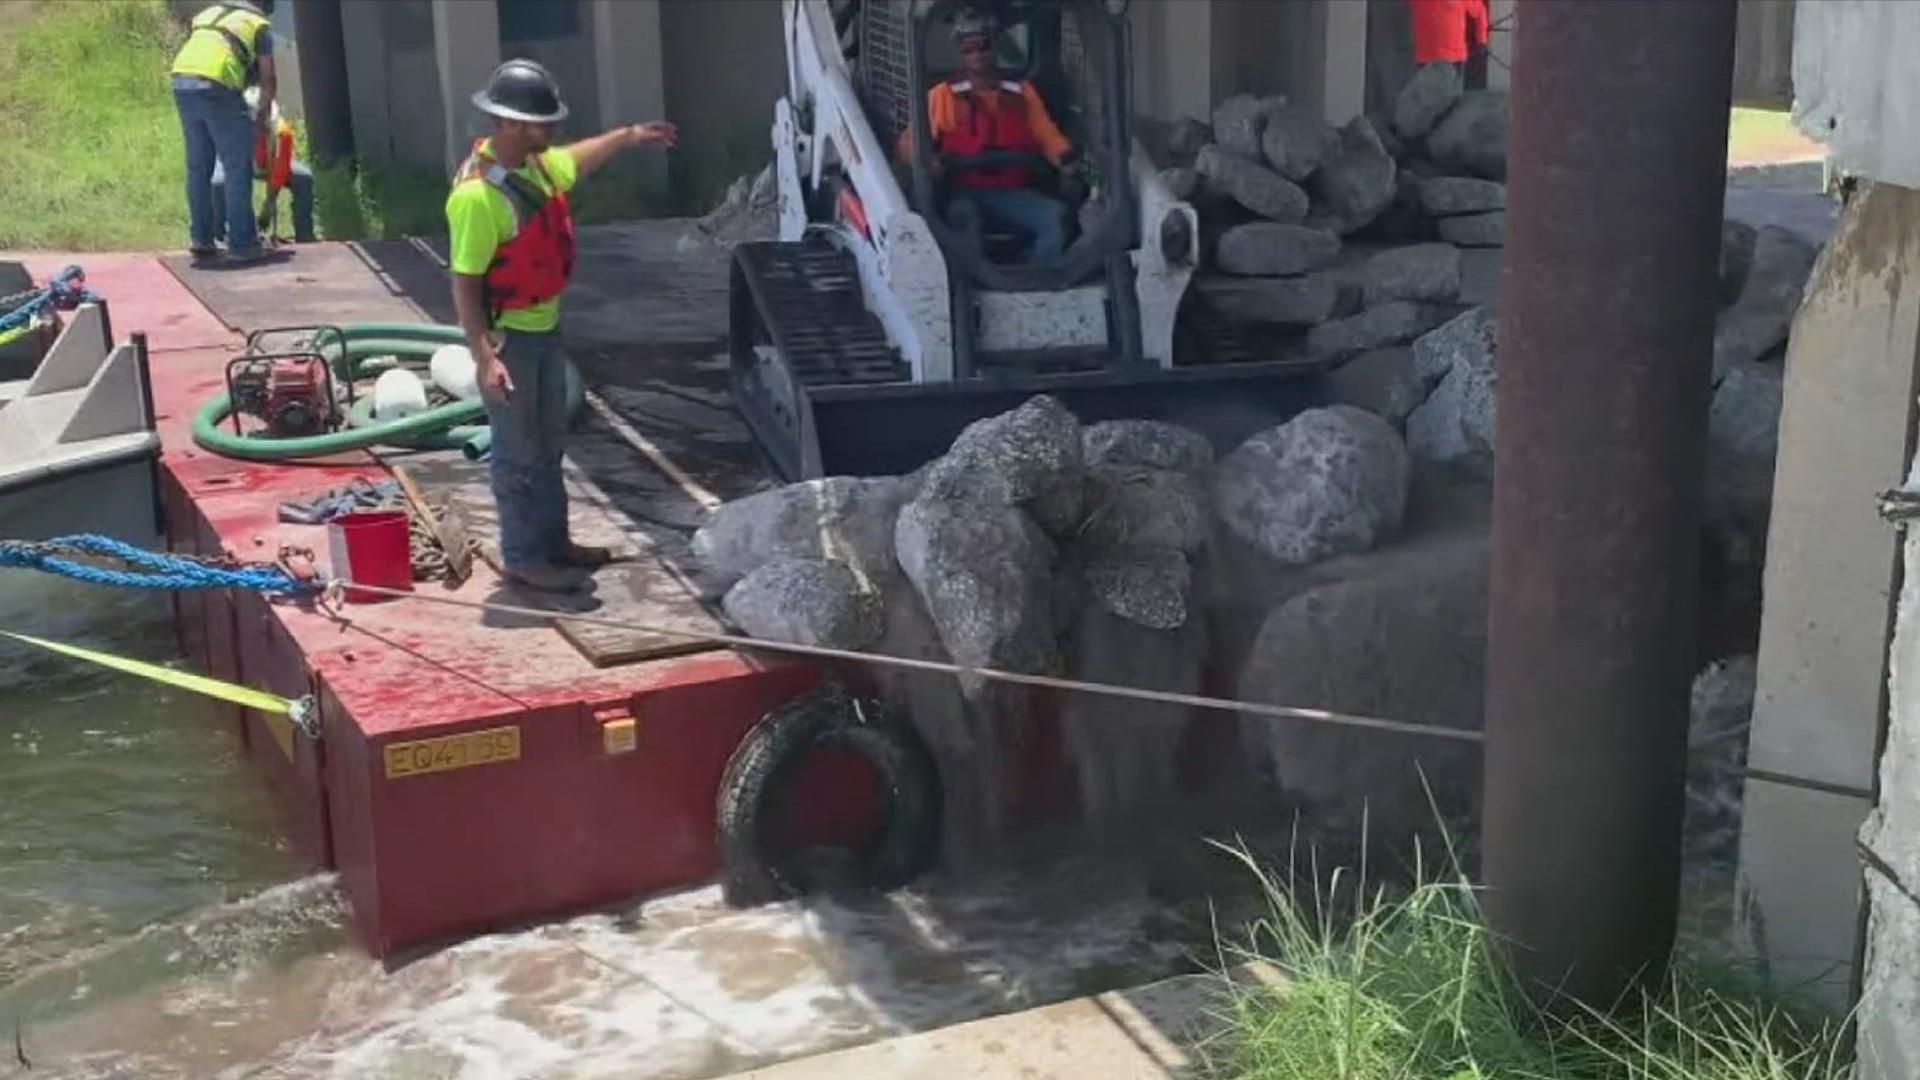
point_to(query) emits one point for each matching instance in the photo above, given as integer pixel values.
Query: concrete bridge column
(466, 47)
(628, 56)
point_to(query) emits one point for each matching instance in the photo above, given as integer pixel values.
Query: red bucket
(371, 548)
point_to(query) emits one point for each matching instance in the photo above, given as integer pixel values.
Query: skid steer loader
(879, 324)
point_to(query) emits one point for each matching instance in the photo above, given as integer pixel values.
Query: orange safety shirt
(959, 107)
(1445, 29)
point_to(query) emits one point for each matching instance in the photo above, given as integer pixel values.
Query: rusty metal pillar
(1616, 175)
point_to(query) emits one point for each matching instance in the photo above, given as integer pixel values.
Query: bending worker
(282, 172)
(511, 235)
(229, 47)
(981, 112)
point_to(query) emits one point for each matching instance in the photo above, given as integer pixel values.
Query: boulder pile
(1038, 544)
(1293, 211)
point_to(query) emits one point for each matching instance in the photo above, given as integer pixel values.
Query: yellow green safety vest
(221, 45)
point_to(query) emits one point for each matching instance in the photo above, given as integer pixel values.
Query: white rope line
(1048, 682)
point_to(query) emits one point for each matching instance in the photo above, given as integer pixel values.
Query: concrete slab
(316, 284)
(1146, 1033)
(1800, 887)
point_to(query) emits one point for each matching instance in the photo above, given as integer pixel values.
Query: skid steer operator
(981, 112)
(511, 240)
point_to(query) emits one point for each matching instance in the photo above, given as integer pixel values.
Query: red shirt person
(1452, 32)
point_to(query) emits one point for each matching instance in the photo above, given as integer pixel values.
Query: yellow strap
(245, 696)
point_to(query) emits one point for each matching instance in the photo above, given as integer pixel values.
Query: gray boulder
(1763, 315)
(1181, 183)
(1425, 99)
(982, 571)
(1253, 186)
(1467, 338)
(1152, 443)
(1394, 323)
(1187, 137)
(1028, 457)
(1429, 272)
(1404, 221)
(807, 602)
(1356, 184)
(1475, 230)
(1446, 196)
(1454, 426)
(1381, 381)
(1402, 638)
(843, 518)
(1737, 240)
(1743, 437)
(1265, 248)
(1133, 507)
(1289, 301)
(1329, 481)
(1296, 141)
(1240, 121)
(1472, 137)
(1147, 588)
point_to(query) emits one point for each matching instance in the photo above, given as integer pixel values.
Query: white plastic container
(452, 368)
(398, 393)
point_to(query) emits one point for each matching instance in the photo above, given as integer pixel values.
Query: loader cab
(1073, 53)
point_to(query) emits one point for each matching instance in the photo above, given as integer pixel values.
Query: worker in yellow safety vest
(229, 47)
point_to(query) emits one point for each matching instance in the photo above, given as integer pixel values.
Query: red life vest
(532, 267)
(990, 122)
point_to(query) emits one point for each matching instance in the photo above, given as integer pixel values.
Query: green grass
(1408, 987)
(96, 161)
(94, 155)
(1755, 135)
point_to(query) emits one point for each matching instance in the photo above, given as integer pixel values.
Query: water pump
(292, 393)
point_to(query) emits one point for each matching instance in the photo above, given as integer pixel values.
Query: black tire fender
(752, 791)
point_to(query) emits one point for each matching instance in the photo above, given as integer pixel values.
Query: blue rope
(151, 569)
(68, 290)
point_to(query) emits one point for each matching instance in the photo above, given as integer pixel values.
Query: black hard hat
(522, 90)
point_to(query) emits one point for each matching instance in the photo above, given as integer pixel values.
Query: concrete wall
(1858, 86)
(395, 80)
(725, 67)
(571, 57)
(1171, 76)
(1889, 1027)
(1830, 579)
(1763, 54)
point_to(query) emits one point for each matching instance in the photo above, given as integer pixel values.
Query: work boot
(203, 254)
(585, 557)
(543, 578)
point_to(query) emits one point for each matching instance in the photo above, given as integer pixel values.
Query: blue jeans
(529, 436)
(1042, 218)
(217, 126)
(299, 185)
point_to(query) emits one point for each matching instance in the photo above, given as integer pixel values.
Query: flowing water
(153, 924)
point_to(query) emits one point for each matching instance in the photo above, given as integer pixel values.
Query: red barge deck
(468, 775)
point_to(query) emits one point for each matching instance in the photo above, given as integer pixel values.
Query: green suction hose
(448, 426)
